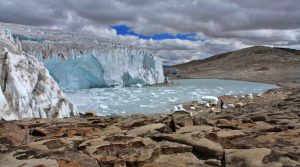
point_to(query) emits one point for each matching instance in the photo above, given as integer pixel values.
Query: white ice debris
(207, 105)
(201, 102)
(239, 104)
(27, 89)
(250, 96)
(192, 108)
(259, 95)
(212, 99)
(139, 85)
(230, 105)
(178, 108)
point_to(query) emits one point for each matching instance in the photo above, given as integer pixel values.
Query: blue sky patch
(125, 30)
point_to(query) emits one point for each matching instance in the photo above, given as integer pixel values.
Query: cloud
(224, 24)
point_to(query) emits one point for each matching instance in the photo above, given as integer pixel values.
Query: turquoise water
(149, 100)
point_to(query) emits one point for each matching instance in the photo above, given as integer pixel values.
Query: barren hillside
(258, 63)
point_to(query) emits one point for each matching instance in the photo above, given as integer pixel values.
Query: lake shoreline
(203, 137)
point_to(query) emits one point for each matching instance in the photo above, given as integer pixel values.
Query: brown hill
(258, 63)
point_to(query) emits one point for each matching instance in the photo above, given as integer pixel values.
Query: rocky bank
(259, 131)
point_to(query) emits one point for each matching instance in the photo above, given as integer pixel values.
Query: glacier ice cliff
(80, 61)
(91, 67)
(26, 88)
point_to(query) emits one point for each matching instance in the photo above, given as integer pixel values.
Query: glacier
(26, 88)
(121, 66)
(82, 61)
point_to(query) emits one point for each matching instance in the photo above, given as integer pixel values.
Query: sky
(176, 30)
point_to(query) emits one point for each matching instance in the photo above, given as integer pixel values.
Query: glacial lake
(156, 99)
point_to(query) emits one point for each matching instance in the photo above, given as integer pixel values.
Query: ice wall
(26, 88)
(77, 60)
(89, 65)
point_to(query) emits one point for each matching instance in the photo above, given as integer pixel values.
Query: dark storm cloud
(32, 12)
(223, 22)
(211, 17)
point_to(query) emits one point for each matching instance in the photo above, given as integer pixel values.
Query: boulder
(183, 119)
(230, 134)
(257, 118)
(10, 133)
(172, 147)
(246, 157)
(199, 120)
(201, 145)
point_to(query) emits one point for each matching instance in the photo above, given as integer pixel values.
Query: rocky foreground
(263, 131)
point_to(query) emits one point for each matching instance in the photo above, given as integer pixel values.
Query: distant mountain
(258, 63)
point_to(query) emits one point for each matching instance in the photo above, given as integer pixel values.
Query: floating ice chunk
(214, 100)
(102, 106)
(175, 108)
(173, 100)
(139, 85)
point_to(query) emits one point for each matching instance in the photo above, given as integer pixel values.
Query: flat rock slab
(12, 160)
(178, 160)
(149, 129)
(190, 129)
(246, 157)
(201, 145)
(172, 147)
(116, 149)
(230, 134)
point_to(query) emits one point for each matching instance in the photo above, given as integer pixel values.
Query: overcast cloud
(224, 25)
